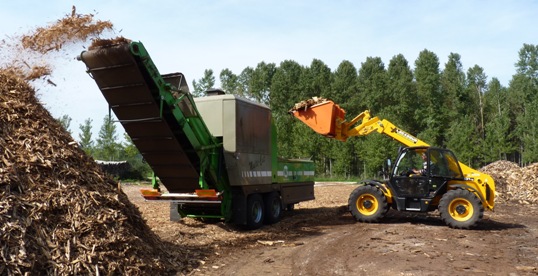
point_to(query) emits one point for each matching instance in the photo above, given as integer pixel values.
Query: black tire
(255, 211)
(367, 204)
(290, 207)
(460, 209)
(273, 207)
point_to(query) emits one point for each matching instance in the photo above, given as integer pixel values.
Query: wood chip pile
(513, 183)
(59, 214)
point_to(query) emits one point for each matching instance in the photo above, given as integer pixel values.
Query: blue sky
(191, 36)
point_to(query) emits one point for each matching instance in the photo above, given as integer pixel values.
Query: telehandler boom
(459, 192)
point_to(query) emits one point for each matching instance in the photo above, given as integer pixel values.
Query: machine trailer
(216, 156)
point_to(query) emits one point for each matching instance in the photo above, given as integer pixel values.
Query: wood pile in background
(119, 169)
(513, 183)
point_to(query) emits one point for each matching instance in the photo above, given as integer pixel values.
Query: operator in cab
(424, 165)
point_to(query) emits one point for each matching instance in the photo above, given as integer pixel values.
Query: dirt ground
(321, 238)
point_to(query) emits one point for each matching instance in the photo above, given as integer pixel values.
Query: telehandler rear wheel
(367, 204)
(460, 209)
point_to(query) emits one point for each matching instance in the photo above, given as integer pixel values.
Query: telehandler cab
(423, 178)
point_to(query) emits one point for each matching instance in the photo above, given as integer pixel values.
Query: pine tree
(453, 88)
(85, 136)
(203, 84)
(261, 80)
(229, 81)
(402, 94)
(107, 146)
(65, 122)
(429, 111)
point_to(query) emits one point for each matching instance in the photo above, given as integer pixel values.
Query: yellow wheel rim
(367, 204)
(461, 209)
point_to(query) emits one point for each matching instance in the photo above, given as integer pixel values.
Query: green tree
(344, 88)
(529, 137)
(245, 82)
(525, 84)
(260, 82)
(523, 101)
(402, 94)
(107, 147)
(528, 61)
(229, 81)
(429, 112)
(374, 96)
(499, 130)
(518, 101)
(476, 85)
(286, 90)
(65, 122)
(316, 81)
(453, 88)
(85, 136)
(139, 169)
(372, 84)
(203, 84)
(463, 139)
(317, 78)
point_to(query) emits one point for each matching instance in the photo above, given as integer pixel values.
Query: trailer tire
(273, 207)
(460, 209)
(290, 207)
(255, 212)
(367, 204)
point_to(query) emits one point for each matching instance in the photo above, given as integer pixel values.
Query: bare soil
(320, 237)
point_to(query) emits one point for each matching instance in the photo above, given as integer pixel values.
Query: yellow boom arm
(368, 125)
(327, 118)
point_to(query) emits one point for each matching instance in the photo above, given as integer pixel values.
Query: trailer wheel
(290, 207)
(273, 207)
(460, 209)
(367, 204)
(255, 211)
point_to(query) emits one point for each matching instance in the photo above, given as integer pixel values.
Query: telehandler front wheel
(367, 204)
(460, 209)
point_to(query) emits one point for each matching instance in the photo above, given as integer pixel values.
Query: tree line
(108, 147)
(479, 119)
(475, 116)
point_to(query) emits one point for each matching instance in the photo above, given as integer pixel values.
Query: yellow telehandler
(423, 178)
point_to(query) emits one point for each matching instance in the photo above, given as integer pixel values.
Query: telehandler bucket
(321, 116)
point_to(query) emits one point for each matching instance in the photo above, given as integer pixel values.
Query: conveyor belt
(135, 99)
